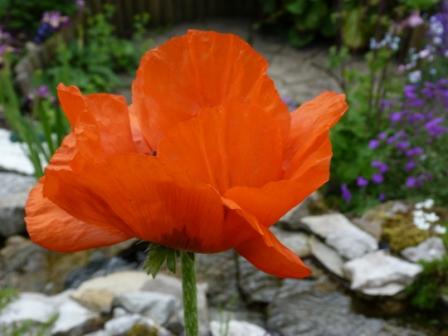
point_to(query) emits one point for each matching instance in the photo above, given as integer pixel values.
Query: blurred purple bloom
(382, 136)
(345, 192)
(381, 166)
(411, 182)
(396, 117)
(434, 127)
(416, 151)
(377, 178)
(416, 117)
(414, 20)
(382, 197)
(402, 145)
(80, 4)
(374, 143)
(410, 165)
(42, 91)
(362, 181)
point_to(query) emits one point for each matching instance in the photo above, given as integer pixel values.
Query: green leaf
(157, 256)
(296, 6)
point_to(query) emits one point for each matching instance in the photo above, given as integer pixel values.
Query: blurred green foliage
(24, 15)
(353, 22)
(96, 55)
(92, 61)
(431, 285)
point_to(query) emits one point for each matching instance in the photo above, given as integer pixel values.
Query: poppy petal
(101, 121)
(50, 226)
(273, 258)
(156, 205)
(274, 199)
(231, 145)
(310, 126)
(198, 70)
(307, 161)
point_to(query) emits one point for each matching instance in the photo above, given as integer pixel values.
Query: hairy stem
(189, 294)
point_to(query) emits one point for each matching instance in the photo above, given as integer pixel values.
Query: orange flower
(205, 159)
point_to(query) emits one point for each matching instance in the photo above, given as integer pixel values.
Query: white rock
(13, 156)
(123, 324)
(170, 285)
(380, 274)
(98, 293)
(347, 239)
(13, 194)
(236, 328)
(29, 306)
(429, 250)
(327, 256)
(73, 317)
(298, 242)
(159, 307)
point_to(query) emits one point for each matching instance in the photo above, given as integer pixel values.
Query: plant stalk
(189, 292)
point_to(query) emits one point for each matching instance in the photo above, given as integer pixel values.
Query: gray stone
(297, 242)
(236, 328)
(120, 326)
(74, 319)
(380, 274)
(429, 250)
(372, 220)
(347, 239)
(98, 293)
(172, 286)
(256, 285)
(13, 195)
(303, 308)
(327, 256)
(159, 307)
(320, 308)
(219, 270)
(29, 307)
(12, 155)
(292, 219)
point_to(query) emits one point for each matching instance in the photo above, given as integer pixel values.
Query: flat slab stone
(338, 232)
(98, 293)
(327, 256)
(236, 328)
(297, 242)
(12, 155)
(74, 319)
(380, 274)
(429, 250)
(157, 306)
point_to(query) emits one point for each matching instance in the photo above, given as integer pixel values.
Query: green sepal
(158, 256)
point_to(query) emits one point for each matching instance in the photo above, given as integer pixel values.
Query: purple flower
(377, 178)
(345, 192)
(396, 117)
(414, 20)
(382, 197)
(434, 128)
(382, 136)
(373, 144)
(43, 91)
(381, 166)
(402, 145)
(410, 165)
(362, 181)
(411, 182)
(80, 4)
(416, 151)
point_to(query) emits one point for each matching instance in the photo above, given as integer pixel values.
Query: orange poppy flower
(205, 159)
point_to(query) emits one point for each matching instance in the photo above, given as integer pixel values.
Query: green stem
(189, 294)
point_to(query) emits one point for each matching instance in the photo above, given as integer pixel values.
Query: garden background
(375, 235)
